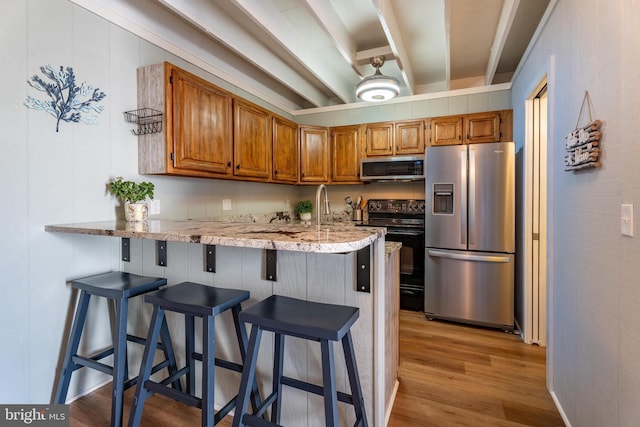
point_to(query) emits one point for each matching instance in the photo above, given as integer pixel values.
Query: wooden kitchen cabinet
(492, 126)
(196, 138)
(251, 140)
(379, 139)
(446, 131)
(285, 150)
(409, 137)
(346, 151)
(482, 127)
(314, 154)
(395, 138)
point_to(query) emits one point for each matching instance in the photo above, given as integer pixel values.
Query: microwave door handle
(463, 197)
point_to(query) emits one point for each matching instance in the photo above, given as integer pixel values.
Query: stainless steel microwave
(405, 168)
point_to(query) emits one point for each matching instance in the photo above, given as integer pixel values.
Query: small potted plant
(133, 194)
(304, 209)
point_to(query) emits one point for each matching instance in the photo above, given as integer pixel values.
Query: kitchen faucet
(321, 189)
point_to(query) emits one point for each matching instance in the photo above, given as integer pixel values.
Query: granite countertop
(333, 238)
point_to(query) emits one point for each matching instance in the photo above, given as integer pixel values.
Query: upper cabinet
(251, 140)
(314, 154)
(286, 157)
(209, 132)
(446, 131)
(346, 152)
(395, 138)
(196, 136)
(379, 139)
(409, 137)
(473, 128)
(482, 127)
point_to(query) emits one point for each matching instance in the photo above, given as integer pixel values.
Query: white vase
(136, 212)
(306, 217)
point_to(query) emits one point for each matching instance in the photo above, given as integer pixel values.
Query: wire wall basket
(147, 119)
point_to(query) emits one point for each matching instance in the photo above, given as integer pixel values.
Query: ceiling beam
(271, 21)
(329, 20)
(392, 32)
(215, 23)
(509, 9)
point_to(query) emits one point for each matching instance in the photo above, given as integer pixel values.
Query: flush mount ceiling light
(378, 87)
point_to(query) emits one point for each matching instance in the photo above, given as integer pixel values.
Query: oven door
(411, 266)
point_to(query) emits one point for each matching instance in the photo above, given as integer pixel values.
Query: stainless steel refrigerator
(470, 233)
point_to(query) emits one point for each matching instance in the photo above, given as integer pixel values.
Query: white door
(535, 325)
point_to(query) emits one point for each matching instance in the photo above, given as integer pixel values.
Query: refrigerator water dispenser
(443, 199)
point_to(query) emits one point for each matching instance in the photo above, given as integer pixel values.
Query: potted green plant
(304, 209)
(133, 194)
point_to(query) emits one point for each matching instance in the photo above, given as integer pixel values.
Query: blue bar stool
(193, 300)
(308, 320)
(118, 287)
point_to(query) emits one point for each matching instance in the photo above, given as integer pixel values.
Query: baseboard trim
(89, 391)
(390, 403)
(567, 423)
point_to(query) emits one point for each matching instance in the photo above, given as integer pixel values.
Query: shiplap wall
(594, 311)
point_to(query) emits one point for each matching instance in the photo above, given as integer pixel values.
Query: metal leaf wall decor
(67, 102)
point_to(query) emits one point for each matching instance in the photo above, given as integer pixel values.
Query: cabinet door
(251, 140)
(446, 130)
(482, 127)
(345, 153)
(314, 154)
(285, 150)
(409, 137)
(379, 139)
(201, 124)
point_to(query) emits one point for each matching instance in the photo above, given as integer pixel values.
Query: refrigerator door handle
(467, 257)
(463, 197)
(471, 204)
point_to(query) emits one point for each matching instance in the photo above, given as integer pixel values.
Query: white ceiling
(312, 53)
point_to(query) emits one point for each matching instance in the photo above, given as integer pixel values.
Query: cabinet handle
(238, 166)
(229, 164)
(275, 172)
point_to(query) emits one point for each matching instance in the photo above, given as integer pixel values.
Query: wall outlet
(154, 207)
(226, 204)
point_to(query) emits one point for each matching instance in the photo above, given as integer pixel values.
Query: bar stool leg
(189, 334)
(278, 356)
(248, 375)
(354, 380)
(241, 334)
(208, 369)
(119, 359)
(147, 364)
(329, 384)
(72, 347)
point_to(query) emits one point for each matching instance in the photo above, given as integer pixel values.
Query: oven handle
(405, 233)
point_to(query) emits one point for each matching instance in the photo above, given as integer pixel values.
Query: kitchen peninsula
(295, 260)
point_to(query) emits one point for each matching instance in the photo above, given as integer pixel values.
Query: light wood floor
(450, 375)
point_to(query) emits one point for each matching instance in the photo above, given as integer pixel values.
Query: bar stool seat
(307, 320)
(118, 287)
(193, 300)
